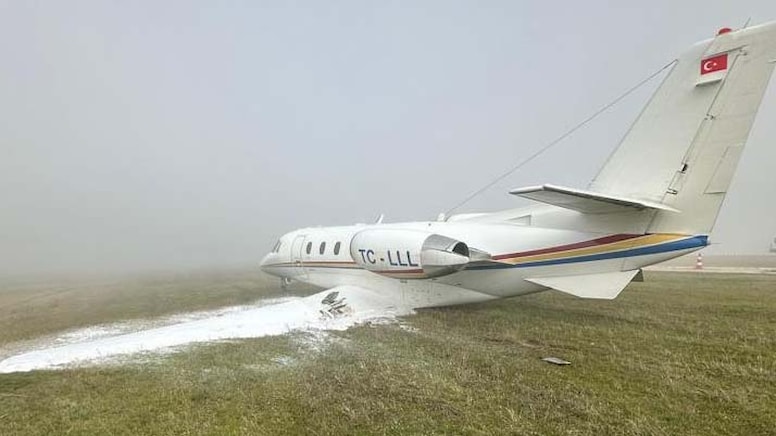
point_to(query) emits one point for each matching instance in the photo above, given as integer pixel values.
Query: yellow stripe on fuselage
(640, 241)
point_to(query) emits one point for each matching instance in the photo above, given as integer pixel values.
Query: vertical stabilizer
(683, 149)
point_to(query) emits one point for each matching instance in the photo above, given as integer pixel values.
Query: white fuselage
(517, 253)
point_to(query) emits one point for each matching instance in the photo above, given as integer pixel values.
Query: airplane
(657, 197)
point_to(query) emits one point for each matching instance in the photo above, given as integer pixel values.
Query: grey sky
(192, 133)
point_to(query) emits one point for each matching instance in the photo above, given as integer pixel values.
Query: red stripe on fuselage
(592, 243)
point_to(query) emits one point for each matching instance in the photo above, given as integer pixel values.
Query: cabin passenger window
(309, 247)
(336, 248)
(322, 248)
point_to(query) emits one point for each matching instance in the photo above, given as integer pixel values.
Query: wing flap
(605, 286)
(586, 201)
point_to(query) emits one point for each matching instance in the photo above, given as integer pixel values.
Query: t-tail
(680, 155)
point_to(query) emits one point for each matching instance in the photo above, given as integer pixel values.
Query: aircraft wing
(604, 286)
(586, 201)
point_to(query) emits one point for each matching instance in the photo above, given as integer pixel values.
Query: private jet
(656, 198)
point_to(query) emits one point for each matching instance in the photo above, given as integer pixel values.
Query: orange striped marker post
(699, 261)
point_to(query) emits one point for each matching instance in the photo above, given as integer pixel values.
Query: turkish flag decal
(714, 64)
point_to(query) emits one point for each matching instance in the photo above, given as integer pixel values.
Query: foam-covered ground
(327, 310)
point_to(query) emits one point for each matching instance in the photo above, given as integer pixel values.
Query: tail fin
(683, 149)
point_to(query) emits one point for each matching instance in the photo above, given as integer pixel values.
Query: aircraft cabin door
(296, 255)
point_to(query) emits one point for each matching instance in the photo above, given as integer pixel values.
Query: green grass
(31, 308)
(678, 354)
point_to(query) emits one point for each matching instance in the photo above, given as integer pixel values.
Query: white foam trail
(308, 313)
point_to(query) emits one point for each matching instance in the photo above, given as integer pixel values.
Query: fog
(181, 134)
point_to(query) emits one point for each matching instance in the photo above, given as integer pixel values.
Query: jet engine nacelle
(408, 254)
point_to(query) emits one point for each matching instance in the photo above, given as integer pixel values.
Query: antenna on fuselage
(560, 138)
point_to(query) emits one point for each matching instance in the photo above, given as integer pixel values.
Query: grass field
(32, 308)
(681, 353)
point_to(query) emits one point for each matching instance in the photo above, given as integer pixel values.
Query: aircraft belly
(642, 261)
(411, 293)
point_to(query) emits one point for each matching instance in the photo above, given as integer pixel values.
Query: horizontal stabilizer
(606, 286)
(586, 201)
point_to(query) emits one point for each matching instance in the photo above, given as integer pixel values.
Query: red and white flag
(714, 64)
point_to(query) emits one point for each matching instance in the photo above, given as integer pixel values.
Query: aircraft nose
(265, 261)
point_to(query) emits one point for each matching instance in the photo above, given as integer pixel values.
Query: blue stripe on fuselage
(683, 244)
